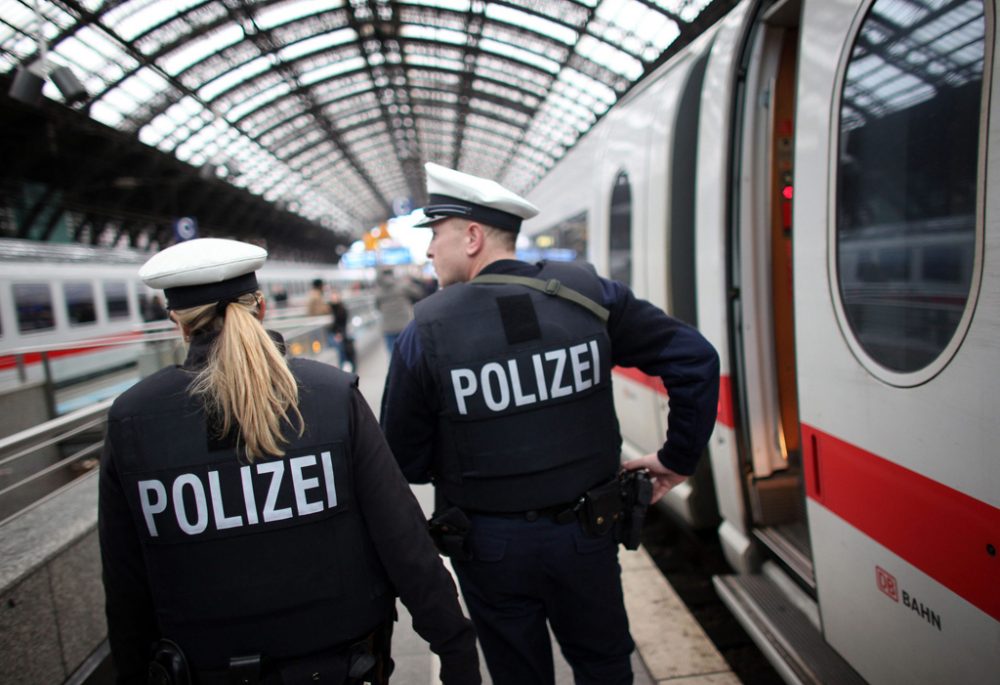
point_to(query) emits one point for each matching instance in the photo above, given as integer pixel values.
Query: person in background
(341, 333)
(316, 302)
(254, 527)
(395, 298)
(499, 392)
(279, 296)
(155, 311)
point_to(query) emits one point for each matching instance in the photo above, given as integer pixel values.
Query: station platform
(671, 646)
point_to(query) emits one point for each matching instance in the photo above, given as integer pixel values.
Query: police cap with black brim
(457, 194)
(204, 271)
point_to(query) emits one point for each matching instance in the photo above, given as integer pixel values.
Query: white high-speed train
(77, 303)
(814, 185)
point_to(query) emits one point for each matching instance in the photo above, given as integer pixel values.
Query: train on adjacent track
(815, 186)
(78, 304)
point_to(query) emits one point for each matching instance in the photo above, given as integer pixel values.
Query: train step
(783, 632)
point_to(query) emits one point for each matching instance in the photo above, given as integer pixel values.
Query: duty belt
(560, 513)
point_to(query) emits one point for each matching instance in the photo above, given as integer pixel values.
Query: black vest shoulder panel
(270, 557)
(525, 382)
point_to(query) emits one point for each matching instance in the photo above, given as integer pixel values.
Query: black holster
(637, 491)
(370, 659)
(168, 665)
(449, 529)
(602, 508)
(619, 505)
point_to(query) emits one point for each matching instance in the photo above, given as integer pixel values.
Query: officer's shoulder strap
(551, 287)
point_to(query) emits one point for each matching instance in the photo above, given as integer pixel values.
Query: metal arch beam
(591, 68)
(131, 49)
(377, 24)
(354, 72)
(505, 165)
(473, 29)
(689, 30)
(318, 171)
(367, 122)
(304, 94)
(404, 134)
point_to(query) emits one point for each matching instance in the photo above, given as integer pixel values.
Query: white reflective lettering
(277, 470)
(494, 403)
(520, 399)
(543, 392)
(302, 484)
(200, 505)
(463, 390)
(149, 508)
(558, 390)
(221, 520)
(249, 498)
(579, 366)
(331, 489)
(597, 361)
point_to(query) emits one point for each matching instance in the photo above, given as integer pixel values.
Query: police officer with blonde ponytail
(254, 526)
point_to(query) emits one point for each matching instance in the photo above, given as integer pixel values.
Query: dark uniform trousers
(524, 571)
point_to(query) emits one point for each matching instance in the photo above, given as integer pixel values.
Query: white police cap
(453, 193)
(204, 270)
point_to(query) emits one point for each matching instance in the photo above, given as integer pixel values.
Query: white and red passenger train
(816, 186)
(83, 305)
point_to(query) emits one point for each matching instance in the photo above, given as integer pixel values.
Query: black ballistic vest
(524, 378)
(270, 557)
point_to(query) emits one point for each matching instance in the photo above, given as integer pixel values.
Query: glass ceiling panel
(323, 104)
(532, 22)
(283, 13)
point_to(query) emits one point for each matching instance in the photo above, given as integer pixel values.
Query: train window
(907, 181)
(80, 303)
(620, 252)
(116, 298)
(34, 307)
(565, 241)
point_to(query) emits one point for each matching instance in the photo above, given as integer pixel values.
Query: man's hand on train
(664, 480)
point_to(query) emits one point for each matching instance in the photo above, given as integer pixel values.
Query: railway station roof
(324, 111)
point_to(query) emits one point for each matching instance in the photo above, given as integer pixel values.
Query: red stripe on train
(653, 382)
(941, 531)
(9, 361)
(725, 410)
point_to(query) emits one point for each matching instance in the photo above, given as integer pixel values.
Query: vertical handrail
(49, 387)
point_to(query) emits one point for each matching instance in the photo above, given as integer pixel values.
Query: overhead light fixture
(30, 78)
(68, 84)
(27, 85)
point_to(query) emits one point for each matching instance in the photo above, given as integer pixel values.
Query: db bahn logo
(887, 583)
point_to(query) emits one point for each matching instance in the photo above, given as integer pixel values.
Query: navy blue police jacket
(640, 336)
(284, 557)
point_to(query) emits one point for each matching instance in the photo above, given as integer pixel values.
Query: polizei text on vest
(499, 385)
(231, 497)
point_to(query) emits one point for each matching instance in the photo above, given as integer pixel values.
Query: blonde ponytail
(246, 383)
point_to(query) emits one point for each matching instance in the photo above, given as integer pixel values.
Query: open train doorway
(762, 318)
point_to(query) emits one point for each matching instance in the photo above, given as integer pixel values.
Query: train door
(894, 304)
(896, 274)
(767, 470)
(761, 319)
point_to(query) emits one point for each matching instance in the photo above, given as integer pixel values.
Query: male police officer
(500, 393)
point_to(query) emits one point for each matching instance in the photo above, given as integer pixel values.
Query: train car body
(812, 184)
(83, 306)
